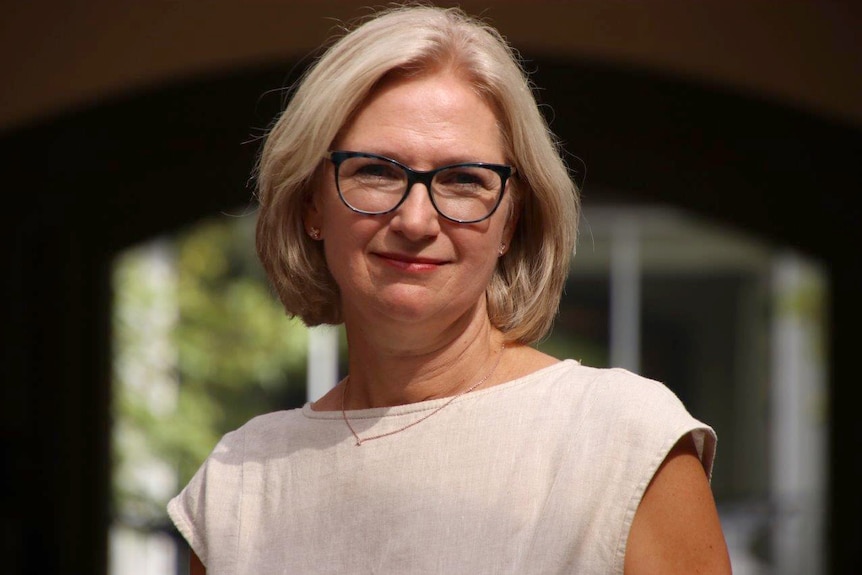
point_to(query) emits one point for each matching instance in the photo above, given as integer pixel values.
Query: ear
(511, 223)
(312, 218)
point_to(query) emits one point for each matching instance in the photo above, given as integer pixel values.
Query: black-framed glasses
(463, 193)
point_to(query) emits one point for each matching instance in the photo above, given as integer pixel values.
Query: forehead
(435, 117)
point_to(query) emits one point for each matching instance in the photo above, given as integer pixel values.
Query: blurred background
(717, 147)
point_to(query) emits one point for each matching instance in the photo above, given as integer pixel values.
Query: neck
(402, 368)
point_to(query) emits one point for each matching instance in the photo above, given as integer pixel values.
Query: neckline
(406, 409)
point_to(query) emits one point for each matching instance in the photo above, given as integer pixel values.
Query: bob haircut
(524, 292)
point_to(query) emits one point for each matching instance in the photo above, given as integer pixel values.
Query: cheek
(345, 242)
(482, 252)
(339, 262)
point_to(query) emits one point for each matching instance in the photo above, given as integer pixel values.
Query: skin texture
(413, 283)
(413, 286)
(195, 565)
(676, 528)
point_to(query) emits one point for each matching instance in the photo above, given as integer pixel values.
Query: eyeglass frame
(425, 177)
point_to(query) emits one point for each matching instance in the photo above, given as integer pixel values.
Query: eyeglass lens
(375, 186)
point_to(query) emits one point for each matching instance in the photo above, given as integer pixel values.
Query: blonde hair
(524, 293)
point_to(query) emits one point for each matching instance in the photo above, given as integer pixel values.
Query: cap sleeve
(207, 511)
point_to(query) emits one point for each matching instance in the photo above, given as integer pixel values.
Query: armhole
(705, 443)
(196, 566)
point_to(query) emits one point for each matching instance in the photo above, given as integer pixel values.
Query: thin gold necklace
(361, 440)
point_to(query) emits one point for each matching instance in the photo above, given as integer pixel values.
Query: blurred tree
(201, 346)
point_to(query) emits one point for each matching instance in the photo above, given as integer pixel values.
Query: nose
(416, 218)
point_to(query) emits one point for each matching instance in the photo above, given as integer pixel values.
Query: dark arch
(81, 187)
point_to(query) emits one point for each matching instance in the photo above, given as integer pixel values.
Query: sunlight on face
(412, 265)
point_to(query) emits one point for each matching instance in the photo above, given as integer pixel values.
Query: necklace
(361, 440)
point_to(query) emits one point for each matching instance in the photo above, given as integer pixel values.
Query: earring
(502, 250)
(314, 233)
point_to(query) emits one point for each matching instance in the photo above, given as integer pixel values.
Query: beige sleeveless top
(542, 475)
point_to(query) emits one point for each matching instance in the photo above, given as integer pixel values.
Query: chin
(412, 309)
(413, 304)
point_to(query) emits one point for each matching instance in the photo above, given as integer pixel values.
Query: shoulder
(263, 436)
(269, 425)
(628, 396)
(206, 511)
(627, 412)
(618, 393)
(609, 389)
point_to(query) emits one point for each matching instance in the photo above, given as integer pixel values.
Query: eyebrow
(446, 161)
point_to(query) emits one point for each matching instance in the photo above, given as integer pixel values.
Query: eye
(466, 180)
(367, 169)
(460, 177)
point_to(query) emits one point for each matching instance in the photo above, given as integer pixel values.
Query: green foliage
(201, 346)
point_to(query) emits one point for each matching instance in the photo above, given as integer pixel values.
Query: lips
(410, 262)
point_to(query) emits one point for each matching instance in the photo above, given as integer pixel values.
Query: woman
(411, 191)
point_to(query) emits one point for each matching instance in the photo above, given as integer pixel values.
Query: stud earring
(314, 233)
(502, 250)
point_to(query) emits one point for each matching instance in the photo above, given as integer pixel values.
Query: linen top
(542, 474)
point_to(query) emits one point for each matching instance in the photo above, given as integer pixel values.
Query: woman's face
(412, 265)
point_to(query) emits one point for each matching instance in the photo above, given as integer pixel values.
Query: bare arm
(195, 565)
(676, 528)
